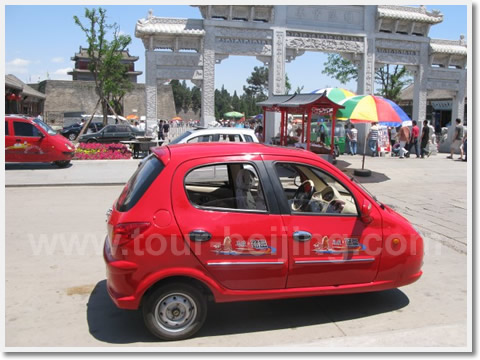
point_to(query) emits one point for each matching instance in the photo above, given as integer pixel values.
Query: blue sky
(51, 39)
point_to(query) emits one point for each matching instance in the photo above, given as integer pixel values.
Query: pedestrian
(404, 138)
(161, 135)
(393, 136)
(166, 128)
(39, 117)
(425, 140)
(352, 138)
(373, 139)
(465, 146)
(414, 138)
(259, 134)
(347, 140)
(457, 140)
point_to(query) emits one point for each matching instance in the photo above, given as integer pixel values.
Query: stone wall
(79, 96)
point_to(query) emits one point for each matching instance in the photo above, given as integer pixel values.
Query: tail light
(123, 233)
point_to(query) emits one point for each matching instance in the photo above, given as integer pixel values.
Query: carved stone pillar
(276, 80)
(208, 83)
(150, 87)
(458, 103)
(419, 111)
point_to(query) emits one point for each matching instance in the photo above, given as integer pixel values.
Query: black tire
(182, 301)
(72, 136)
(62, 163)
(362, 172)
(90, 141)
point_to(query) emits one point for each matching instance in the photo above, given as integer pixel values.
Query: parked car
(112, 134)
(236, 222)
(31, 140)
(71, 132)
(217, 134)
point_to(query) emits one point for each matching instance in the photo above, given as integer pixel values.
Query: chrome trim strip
(246, 263)
(333, 261)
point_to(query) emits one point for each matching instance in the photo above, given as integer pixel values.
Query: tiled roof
(419, 14)
(156, 25)
(14, 82)
(448, 47)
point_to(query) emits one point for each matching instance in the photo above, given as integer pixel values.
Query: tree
(258, 82)
(110, 75)
(196, 99)
(391, 78)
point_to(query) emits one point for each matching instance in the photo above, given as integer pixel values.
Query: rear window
(140, 181)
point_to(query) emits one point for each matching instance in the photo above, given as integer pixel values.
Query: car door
(10, 155)
(231, 225)
(330, 243)
(30, 144)
(109, 134)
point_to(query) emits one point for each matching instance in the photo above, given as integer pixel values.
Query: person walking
(404, 138)
(166, 129)
(425, 140)
(414, 138)
(259, 134)
(352, 138)
(373, 138)
(457, 140)
(347, 140)
(161, 135)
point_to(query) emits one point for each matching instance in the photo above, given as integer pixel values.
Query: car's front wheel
(62, 163)
(175, 311)
(72, 136)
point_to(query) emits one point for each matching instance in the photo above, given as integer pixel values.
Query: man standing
(161, 135)
(352, 138)
(404, 138)
(425, 139)
(414, 138)
(457, 140)
(166, 128)
(373, 138)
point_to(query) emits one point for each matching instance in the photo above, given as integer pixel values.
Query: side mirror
(365, 212)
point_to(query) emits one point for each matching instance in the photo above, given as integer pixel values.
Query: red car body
(31, 140)
(164, 237)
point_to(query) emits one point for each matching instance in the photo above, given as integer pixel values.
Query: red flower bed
(96, 151)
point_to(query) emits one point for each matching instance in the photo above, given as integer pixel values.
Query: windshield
(365, 189)
(45, 127)
(181, 137)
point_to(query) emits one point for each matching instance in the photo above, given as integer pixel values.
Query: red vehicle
(233, 222)
(31, 140)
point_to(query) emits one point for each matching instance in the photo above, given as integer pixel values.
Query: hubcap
(175, 312)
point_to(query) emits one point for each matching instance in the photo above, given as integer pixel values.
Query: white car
(217, 134)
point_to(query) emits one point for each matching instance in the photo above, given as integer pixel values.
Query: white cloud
(19, 66)
(58, 59)
(61, 74)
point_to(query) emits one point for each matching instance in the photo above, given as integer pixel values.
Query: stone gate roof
(454, 47)
(155, 25)
(419, 14)
(13, 82)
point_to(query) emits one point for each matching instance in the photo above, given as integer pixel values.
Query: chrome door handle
(302, 236)
(199, 235)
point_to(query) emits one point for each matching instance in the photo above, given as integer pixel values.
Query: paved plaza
(55, 284)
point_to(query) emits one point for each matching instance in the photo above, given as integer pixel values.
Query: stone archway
(368, 35)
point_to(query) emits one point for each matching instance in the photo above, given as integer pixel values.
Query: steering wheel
(302, 196)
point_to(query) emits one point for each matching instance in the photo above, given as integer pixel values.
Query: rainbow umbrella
(370, 108)
(335, 94)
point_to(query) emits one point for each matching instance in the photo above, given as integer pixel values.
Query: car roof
(222, 130)
(214, 149)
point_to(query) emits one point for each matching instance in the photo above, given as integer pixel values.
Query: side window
(110, 129)
(248, 138)
(230, 138)
(227, 186)
(199, 139)
(311, 190)
(6, 128)
(25, 129)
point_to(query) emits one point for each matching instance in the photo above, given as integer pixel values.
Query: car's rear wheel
(175, 311)
(62, 163)
(72, 136)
